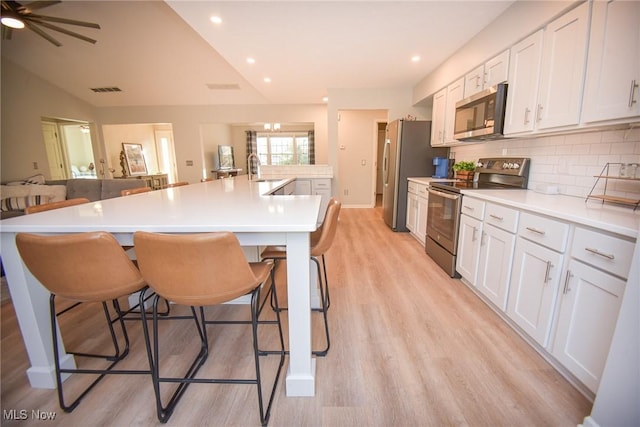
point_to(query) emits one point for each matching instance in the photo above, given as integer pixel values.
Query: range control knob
(516, 165)
(505, 165)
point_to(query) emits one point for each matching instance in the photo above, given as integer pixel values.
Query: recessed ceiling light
(325, 99)
(216, 20)
(267, 79)
(251, 60)
(415, 58)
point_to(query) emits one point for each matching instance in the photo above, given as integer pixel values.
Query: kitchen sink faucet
(249, 173)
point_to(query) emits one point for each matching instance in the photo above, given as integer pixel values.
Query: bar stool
(86, 267)
(177, 184)
(131, 191)
(199, 270)
(320, 241)
(55, 205)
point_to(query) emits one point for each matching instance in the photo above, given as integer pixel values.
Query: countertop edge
(567, 208)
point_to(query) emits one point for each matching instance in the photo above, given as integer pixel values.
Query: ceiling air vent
(106, 89)
(223, 86)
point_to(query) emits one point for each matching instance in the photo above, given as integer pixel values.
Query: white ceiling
(167, 53)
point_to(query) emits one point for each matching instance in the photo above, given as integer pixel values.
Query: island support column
(302, 368)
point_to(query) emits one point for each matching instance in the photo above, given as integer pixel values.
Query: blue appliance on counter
(441, 167)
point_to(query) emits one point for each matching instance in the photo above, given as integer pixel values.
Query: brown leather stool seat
(199, 270)
(84, 267)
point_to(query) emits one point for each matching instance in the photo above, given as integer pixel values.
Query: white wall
(357, 155)
(396, 102)
(26, 99)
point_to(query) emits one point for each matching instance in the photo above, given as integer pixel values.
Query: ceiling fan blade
(42, 18)
(41, 4)
(65, 31)
(33, 27)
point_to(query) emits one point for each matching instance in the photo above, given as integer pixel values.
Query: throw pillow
(55, 193)
(35, 179)
(19, 203)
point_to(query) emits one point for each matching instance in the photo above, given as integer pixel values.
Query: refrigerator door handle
(385, 164)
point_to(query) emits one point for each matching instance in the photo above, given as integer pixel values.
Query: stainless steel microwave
(481, 116)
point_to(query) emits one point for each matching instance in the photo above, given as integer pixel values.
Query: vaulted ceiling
(170, 53)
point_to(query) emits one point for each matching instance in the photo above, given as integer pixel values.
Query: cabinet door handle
(496, 217)
(473, 236)
(546, 274)
(534, 230)
(482, 236)
(539, 113)
(602, 254)
(477, 81)
(468, 207)
(632, 92)
(526, 115)
(567, 279)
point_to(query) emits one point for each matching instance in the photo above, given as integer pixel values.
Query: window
(283, 148)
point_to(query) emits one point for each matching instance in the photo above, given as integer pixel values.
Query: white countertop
(613, 218)
(230, 204)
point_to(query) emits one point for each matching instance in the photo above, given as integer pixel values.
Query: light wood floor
(410, 347)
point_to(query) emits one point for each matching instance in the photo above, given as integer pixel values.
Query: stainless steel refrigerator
(407, 153)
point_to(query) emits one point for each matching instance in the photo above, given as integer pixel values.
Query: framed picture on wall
(135, 159)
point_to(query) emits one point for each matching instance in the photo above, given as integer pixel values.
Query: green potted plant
(464, 170)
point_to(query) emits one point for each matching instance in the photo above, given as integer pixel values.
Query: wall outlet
(346, 192)
(189, 162)
(35, 165)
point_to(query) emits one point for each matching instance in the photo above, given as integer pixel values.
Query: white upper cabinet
(473, 81)
(613, 68)
(563, 67)
(546, 75)
(489, 74)
(522, 92)
(438, 117)
(455, 92)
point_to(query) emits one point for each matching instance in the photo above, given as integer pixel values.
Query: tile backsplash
(569, 161)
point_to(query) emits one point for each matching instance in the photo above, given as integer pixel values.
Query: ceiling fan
(17, 16)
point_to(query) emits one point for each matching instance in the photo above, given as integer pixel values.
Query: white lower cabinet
(534, 288)
(417, 203)
(469, 236)
(494, 267)
(421, 217)
(412, 210)
(515, 259)
(468, 248)
(322, 187)
(589, 307)
(594, 284)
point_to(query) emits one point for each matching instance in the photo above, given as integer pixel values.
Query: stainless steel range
(445, 201)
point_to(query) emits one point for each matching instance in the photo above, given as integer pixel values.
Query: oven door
(443, 217)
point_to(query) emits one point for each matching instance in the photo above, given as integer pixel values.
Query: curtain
(252, 147)
(312, 148)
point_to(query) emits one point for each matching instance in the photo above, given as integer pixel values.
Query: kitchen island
(244, 207)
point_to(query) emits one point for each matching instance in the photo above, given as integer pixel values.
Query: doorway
(69, 149)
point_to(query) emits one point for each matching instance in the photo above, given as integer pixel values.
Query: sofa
(17, 195)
